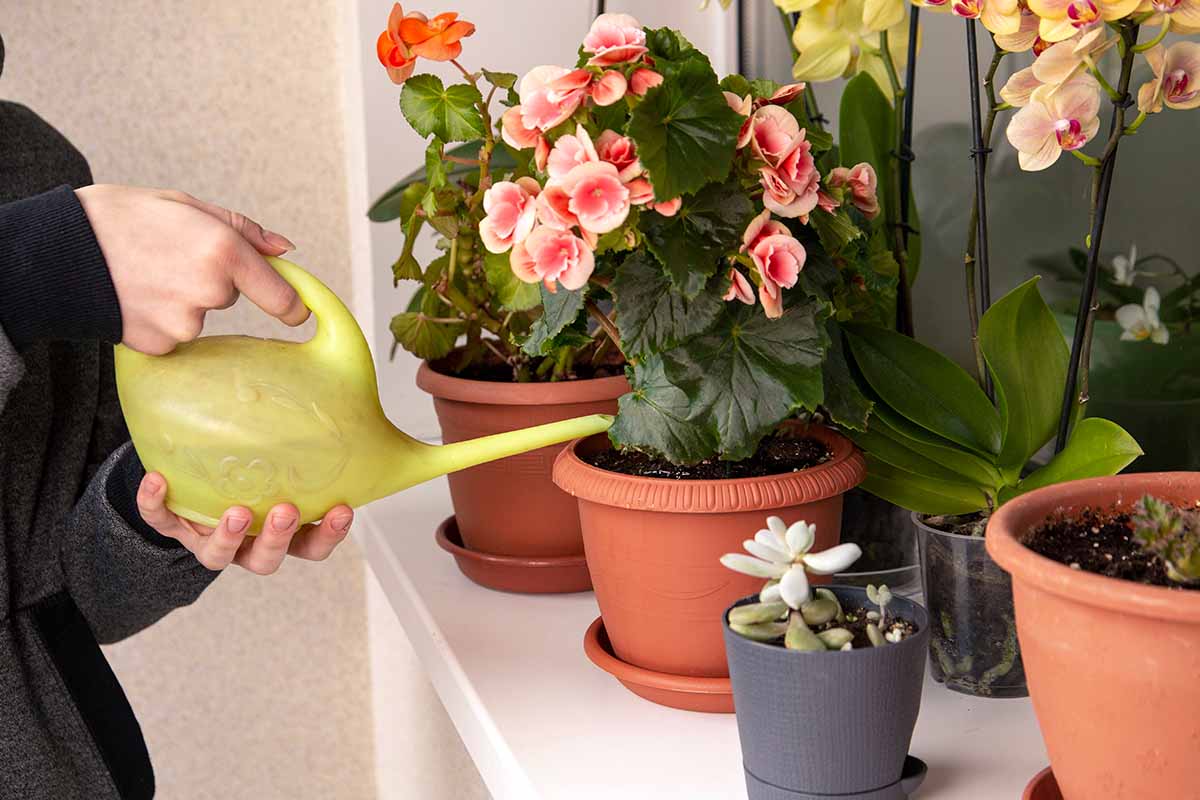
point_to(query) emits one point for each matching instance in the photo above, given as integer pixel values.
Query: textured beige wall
(261, 690)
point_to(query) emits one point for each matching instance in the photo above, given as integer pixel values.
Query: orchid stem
(1112, 93)
(977, 237)
(1162, 34)
(1085, 158)
(896, 206)
(1081, 343)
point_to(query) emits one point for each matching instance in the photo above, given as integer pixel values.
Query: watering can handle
(338, 336)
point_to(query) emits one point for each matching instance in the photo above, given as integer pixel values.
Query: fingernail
(282, 522)
(154, 486)
(277, 240)
(238, 524)
(342, 523)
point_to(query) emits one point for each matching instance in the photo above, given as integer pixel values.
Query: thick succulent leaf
(926, 387)
(1097, 448)
(653, 417)
(844, 399)
(447, 112)
(559, 310)
(920, 494)
(654, 316)
(1027, 356)
(748, 373)
(691, 244)
(685, 131)
(513, 293)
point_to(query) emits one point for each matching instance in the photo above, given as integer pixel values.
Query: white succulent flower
(894, 635)
(781, 552)
(1141, 321)
(1124, 267)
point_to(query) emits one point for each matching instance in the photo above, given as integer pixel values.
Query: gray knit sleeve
(12, 369)
(121, 581)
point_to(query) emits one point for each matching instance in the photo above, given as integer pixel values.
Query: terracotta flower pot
(653, 547)
(511, 507)
(1112, 665)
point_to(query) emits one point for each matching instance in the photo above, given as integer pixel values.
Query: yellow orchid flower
(1184, 15)
(1062, 19)
(840, 38)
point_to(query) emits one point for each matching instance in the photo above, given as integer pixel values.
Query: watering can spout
(461, 455)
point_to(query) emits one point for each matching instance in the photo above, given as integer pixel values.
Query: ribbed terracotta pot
(653, 547)
(1113, 666)
(511, 507)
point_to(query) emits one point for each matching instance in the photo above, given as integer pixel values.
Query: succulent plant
(787, 606)
(1171, 533)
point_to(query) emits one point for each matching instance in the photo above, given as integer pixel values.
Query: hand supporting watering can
(252, 433)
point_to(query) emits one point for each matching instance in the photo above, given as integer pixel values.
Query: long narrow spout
(460, 455)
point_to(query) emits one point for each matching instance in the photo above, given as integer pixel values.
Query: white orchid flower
(781, 552)
(1141, 321)
(1124, 267)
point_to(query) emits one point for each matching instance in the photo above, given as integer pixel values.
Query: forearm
(54, 282)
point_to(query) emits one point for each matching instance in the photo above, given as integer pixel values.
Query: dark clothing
(77, 564)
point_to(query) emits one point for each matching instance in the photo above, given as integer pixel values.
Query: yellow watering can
(236, 420)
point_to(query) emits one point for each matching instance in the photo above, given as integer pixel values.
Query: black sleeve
(54, 282)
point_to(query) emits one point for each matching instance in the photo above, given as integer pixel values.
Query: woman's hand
(217, 548)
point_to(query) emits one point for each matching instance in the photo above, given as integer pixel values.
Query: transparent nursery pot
(885, 533)
(973, 645)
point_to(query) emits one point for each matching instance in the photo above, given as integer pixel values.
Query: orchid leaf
(844, 399)
(970, 467)
(1097, 448)
(921, 494)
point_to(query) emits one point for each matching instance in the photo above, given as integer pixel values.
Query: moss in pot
(810, 668)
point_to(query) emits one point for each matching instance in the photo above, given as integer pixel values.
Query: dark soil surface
(495, 370)
(1100, 542)
(962, 524)
(776, 455)
(857, 620)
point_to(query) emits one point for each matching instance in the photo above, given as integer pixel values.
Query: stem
(904, 310)
(1081, 343)
(1144, 46)
(1132, 128)
(977, 250)
(1085, 158)
(1112, 93)
(470, 162)
(607, 325)
(489, 138)
(896, 229)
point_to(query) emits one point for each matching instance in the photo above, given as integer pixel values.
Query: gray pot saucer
(910, 780)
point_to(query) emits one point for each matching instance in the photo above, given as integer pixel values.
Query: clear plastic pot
(885, 533)
(973, 645)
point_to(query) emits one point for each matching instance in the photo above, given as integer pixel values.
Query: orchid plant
(788, 608)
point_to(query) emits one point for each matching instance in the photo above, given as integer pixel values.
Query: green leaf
(435, 168)
(923, 495)
(1097, 448)
(926, 387)
(894, 453)
(844, 400)
(685, 131)
(406, 268)
(447, 112)
(399, 202)
(653, 316)
(692, 243)
(653, 417)
(1027, 356)
(737, 84)
(970, 467)
(436, 269)
(669, 45)
(559, 309)
(504, 80)
(836, 230)
(748, 373)
(423, 338)
(512, 293)
(389, 205)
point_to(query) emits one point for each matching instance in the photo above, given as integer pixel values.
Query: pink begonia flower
(621, 152)
(779, 259)
(548, 255)
(1063, 60)
(785, 94)
(511, 211)
(761, 226)
(827, 202)
(554, 208)
(790, 189)
(598, 198)
(1056, 119)
(1020, 88)
(862, 182)
(739, 288)
(1176, 78)
(771, 299)
(668, 208)
(609, 88)
(743, 106)
(643, 80)
(772, 129)
(541, 153)
(514, 132)
(570, 151)
(1024, 37)
(614, 39)
(640, 192)
(549, 95)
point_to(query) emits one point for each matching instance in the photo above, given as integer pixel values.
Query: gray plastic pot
(828, 723)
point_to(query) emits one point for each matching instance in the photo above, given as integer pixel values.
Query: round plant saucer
(1042, 787)
(911, 778)
(714, 695)
(523, 574)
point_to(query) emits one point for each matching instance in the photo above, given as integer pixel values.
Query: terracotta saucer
(1042, 787)
(713, 695)
(524, 574)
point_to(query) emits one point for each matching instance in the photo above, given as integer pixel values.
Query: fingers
(217, 550)
(317, 542)
(151, 504)
(264, 241)
(266, 552)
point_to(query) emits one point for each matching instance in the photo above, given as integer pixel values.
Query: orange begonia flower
(392, 51)
(436, 39)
